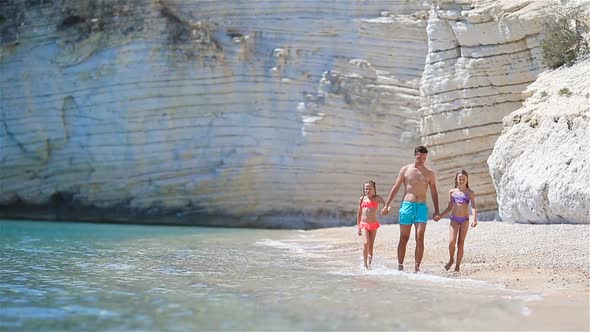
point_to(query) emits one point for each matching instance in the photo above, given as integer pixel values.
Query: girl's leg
(366, 239)
(464, 227)
(372, 235)
(453, 232)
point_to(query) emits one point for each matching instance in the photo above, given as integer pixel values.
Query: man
(416, 178)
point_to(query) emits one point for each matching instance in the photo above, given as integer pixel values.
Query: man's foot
(456, 268)
(400, 267)
(370, 260)
(448, 266)
(417, 269)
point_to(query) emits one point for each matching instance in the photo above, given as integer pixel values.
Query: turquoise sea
(79, 276)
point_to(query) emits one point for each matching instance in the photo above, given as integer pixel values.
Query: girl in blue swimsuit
(459, 199)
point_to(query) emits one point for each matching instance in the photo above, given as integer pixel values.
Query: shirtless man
(416, 178)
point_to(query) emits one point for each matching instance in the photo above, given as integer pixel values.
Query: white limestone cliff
(541, 161)
(481, 56)
(270, 112)
(245, 109)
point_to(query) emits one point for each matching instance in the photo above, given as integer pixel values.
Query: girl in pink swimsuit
(367, 222)
(459, 199)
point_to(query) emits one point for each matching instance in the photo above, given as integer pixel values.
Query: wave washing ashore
(75, 276)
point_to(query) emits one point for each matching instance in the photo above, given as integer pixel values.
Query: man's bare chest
(416, 177)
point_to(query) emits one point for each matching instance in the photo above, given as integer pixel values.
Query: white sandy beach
(552, 260)
(534, 257)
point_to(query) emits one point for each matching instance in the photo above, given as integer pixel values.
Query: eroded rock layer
(247, 109)
(481, 56)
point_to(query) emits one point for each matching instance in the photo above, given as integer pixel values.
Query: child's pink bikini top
(370, 205)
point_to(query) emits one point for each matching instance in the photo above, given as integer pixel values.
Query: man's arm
(434, 194)
(398, 183)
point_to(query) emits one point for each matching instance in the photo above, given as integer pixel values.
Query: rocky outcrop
(540, 163)
(140, 108)
(481, 56)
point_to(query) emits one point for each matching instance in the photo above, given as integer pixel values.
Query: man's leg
(404, 236)
(420, 228)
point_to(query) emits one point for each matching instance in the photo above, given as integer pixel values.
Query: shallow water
(77, 276)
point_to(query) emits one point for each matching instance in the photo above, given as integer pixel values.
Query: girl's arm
(449, 206)
(358, 217)
(380, 200)
(473, 209)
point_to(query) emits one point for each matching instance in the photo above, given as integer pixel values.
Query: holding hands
(436, 216)
(385, 210)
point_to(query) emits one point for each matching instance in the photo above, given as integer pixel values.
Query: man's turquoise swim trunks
(413, 212)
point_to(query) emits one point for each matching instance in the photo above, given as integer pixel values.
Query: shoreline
(549, 258)
(124, 215)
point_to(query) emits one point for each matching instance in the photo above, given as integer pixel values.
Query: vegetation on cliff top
(566, 35)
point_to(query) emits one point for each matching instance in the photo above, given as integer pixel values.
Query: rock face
(139, 108)
(252, 111)
(540, 163)
(481, 56)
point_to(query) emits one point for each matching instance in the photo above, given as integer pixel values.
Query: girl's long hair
(464, 172)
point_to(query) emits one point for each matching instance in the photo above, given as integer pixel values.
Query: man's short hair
(420, 149)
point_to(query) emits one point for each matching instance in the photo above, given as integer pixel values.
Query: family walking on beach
(417, 179)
